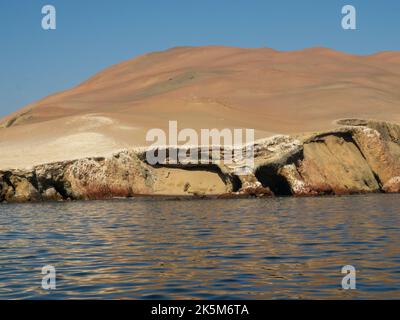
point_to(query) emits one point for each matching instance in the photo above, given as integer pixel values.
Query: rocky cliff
(359, 157)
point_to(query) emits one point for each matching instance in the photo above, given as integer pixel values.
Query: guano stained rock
(359, 157)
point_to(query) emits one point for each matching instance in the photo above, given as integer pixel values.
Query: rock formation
(359, 157)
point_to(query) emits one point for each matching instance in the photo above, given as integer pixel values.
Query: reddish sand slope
(270, 91)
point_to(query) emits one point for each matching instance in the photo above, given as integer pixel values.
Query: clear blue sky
(94, 34)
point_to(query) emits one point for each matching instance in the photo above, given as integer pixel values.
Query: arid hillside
(270, 91)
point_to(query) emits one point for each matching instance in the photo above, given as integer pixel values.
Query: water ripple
(284, 248)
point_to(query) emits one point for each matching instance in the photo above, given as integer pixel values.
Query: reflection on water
(203, 249)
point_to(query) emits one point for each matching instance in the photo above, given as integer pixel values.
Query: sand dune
(270, 91)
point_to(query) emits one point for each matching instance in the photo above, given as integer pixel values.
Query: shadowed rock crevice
(6, 179)
(270, 177)
(236, 183)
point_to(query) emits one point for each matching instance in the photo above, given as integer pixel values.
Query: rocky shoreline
(362, 156)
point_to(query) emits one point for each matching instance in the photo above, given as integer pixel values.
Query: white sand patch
(70, 147)
(84, 141)
(127, 128)
(90, 122)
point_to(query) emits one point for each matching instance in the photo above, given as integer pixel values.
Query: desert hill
(270, 91)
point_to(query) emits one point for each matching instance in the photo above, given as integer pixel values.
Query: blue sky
(94, 34)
